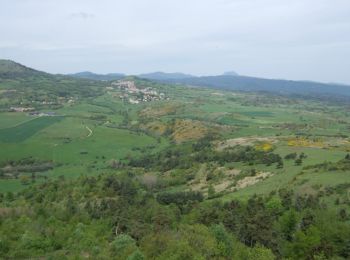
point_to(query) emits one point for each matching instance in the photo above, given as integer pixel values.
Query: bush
(179, 198)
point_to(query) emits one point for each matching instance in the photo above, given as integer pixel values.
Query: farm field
(124, 159)
(87, 136)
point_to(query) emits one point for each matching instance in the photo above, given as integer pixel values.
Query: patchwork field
(24, 130)
(91, 135)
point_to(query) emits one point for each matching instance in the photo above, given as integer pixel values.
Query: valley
(188, 148)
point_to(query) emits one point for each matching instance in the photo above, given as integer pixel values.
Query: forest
(119, 217)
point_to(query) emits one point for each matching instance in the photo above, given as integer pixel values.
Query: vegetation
(113, 216)
(196, 174)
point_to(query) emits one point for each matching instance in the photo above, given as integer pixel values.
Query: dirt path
(90, 131)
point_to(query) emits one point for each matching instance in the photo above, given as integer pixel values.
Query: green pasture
(21, 132)
(287, 177)
(11, 119)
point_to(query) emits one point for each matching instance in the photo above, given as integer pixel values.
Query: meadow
(25, 130)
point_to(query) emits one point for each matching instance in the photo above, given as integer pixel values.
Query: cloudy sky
(299, 39)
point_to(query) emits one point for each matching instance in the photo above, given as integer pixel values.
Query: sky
(298, 40)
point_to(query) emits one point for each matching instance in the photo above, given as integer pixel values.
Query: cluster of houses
(126, 85)
(31, 111)
(21, 109)
(136, 95)
(60, 100)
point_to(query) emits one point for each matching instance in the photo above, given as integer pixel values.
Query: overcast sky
(292, 39)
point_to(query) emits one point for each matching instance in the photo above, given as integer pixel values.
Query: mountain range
(94, 76)
(233, 81)
(228, 81)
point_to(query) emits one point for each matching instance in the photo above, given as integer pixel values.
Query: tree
(298, 161)
(136, 255)
(224, 240)
(211, 191)
(305, 244)
(343, 214)
(25, 180)
(288, 223)
(261, 253)
(291, 156)
(124, 247)
(255, 224)
(280, 164)
(70, 206)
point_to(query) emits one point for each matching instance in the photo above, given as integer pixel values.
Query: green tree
(305, 245)
(211, 191)
(124, 247)
(298, 161)
(287, 224)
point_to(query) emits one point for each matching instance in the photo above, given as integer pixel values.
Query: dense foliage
(185, 156)
(115, 216)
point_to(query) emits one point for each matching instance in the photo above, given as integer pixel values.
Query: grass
(27, 129)
(10, 119)
(10, 185)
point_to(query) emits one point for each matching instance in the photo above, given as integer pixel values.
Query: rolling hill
(11, 69)
(244, 83)
(30, 84)
(94, 76)
(165, 76)
(233, 81)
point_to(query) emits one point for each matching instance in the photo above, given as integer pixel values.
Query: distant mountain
(230, 73)
(94, 76)
(30, 82)
(11, 69)
(244, 83)
(165, 76)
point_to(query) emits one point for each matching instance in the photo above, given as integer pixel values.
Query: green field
(95, 131)
(23, 131)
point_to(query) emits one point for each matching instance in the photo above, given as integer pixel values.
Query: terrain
(157, 170)
(231, 80)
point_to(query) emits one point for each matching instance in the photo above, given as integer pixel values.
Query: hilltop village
(134, 95)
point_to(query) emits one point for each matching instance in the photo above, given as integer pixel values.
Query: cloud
(82, 15)
(269, 38)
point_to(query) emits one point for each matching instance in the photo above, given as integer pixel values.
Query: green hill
(11, 69)
(20, 84)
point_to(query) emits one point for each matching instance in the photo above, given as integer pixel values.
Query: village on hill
(134, 95)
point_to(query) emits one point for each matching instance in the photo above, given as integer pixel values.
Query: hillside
(243, 83)
(141, 169)
(11, 69)
(24, 87)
